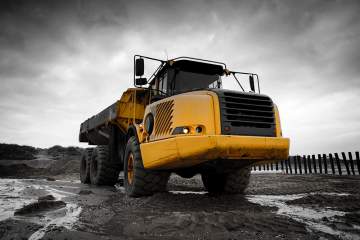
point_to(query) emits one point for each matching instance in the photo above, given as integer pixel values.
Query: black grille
(246, 114)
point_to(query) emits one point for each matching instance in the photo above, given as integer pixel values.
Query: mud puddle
(36, 201)
(316, 218)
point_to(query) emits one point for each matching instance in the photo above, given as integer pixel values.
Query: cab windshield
(182, 81)
(184, 76)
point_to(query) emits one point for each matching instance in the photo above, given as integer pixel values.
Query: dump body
(125, 112)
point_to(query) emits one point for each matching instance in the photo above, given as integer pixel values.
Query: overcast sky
(63, 61)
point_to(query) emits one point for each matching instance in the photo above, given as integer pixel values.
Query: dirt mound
(65, 166)
(67, 160)
(16, 152)
(59, 152)
(25, 161)
(57, 167)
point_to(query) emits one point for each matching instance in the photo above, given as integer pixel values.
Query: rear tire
(102, 171)
(234, 182)
(139, 181)
(85, 165)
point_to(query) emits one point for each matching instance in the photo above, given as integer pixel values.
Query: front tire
(139, 181)
(234, 182)
(102, 171)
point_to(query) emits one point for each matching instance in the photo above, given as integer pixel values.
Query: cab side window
(163, 83)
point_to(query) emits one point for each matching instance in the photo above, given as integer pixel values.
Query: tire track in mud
(168, 216)
(229, 216)
(195, 215)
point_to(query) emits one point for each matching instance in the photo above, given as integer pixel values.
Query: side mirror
(140, 81)
(252, 84)
(139, 67)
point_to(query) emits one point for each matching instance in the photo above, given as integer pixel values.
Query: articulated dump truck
(181, 120)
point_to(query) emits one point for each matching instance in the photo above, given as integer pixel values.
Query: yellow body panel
(193, 109)
(185, 151)
(162, 150)
(213, 104)
(131, 108)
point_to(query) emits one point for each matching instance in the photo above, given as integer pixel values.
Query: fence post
(271, 166)
(319, 162)
(267, 166)
(282, 165)
(289, 160)
(305, 164)
(264, 167)
(299, 162)
(338, 163)
(351, 163)
(332, 163)
(346, 163)
(314, 163)
(357, 161)
(295, 164)
(286, 166)
(309, 163)
(325, 164)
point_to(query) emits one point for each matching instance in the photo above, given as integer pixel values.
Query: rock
(47, 197)
(40, 206)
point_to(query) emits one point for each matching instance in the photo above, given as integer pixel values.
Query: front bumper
(186, 151)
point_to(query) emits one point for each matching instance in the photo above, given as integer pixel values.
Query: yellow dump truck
(181, 120)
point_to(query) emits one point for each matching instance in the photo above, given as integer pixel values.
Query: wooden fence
(316, 164)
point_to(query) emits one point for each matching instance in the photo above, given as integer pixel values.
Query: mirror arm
(238, 81)
(162, 62)
(246, 73)
(156, 71)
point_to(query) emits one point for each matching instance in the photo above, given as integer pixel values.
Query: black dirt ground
(187, 212)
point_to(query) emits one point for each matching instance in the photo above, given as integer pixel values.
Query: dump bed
(94, 129)
(124, 112)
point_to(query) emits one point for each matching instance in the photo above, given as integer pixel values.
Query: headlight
(181, 130)
(185, 130)
(199, 129)
(149, 123)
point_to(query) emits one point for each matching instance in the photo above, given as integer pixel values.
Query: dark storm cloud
(61, 61)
